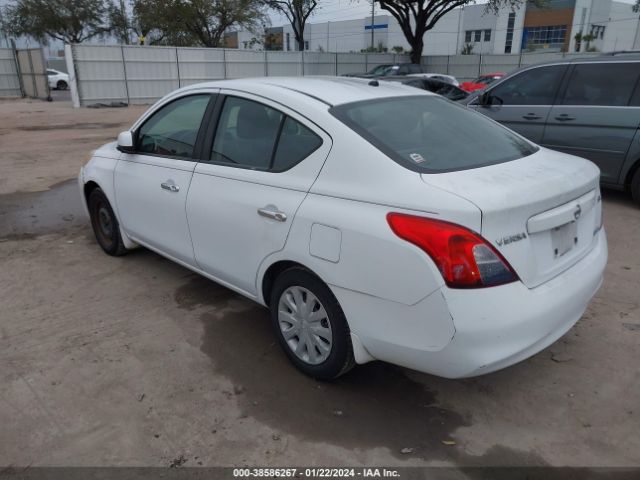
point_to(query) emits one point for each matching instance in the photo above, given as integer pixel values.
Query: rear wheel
(105, 224)
(310, 325)
(635, 186)
(62, 85)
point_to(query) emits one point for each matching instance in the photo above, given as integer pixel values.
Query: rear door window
(255, 136)
(430, 134)
(537, 86)
(601, 84)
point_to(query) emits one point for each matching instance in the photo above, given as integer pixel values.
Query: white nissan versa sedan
(375, 221)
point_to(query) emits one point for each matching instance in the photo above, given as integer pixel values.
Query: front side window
(173, 130)
(605, 84)
(253, 135)
(430, 134)
(537, 86)
(51, 72)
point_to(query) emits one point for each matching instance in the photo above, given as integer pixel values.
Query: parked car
(583, 106)
(389, 70)
(438, 76)
(481, 82)
(432, 84)
(362, 217)
(57, 80)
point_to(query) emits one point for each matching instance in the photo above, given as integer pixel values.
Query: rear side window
(253, 135)
(172, 130)
(429, 134)
(296, 143)
(537, 86)
(602, 84)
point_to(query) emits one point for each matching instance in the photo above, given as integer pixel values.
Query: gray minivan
(588, 107)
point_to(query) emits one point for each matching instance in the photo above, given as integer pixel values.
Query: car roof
(600, 58)
(326, 89)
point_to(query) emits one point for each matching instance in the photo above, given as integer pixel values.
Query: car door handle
(531, 116)
(172, 187)
(564, 118)
(273, 214)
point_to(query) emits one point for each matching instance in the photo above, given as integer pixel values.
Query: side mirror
(125, 142)
(484, 99)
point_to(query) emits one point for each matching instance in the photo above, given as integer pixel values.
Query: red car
(481, 82)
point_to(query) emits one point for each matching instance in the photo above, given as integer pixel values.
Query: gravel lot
(137, 361)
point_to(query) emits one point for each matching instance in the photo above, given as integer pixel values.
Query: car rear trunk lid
(540, 212)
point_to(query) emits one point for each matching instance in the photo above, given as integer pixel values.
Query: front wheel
(62, 85)
(105, 224)
(635, 187)
(310, 325)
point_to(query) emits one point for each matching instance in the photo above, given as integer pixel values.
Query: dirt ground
(137, 361)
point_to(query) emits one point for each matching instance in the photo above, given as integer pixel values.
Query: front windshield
(430, 134)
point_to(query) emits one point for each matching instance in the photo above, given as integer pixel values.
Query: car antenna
(374, 83)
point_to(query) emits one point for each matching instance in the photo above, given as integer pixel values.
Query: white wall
(621, 28)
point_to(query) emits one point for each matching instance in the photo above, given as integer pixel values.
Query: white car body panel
(55, 78)
(336, 201)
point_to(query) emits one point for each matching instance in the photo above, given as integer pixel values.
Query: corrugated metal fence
(9, 76)
(142, 74)
(23, 72)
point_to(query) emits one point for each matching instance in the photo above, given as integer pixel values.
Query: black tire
(340, 359)
(62, 85)
(635, 187)
(105, 224)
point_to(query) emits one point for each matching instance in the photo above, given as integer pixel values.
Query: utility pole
(460, 14)
(373, 11)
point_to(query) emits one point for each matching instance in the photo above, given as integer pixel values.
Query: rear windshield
(430, 134)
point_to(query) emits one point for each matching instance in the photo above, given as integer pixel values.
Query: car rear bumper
(494, 327)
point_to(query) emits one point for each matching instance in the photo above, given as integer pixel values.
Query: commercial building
(565, 25)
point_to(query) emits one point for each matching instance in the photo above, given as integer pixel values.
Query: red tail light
(464, 258)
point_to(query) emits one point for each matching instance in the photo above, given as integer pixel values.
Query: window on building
(551, 36)
(306, 45)
(467, 36)
(487, 35)
(288, 42)
(510, 24)
(477, 36)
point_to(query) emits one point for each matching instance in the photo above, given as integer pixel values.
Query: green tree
(71, 21)
(193, 22)
(297, 12)
(417, 17)
(119, 21)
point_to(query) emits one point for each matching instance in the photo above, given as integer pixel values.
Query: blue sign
(376, 26)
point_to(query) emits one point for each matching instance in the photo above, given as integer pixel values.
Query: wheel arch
(635, 166)
(272, 272)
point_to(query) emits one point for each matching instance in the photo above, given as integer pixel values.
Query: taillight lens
(464, 258)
